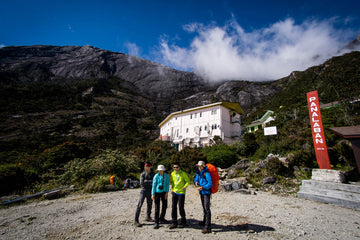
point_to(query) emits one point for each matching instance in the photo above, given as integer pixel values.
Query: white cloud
(230, 53)
(133, 49)
(2, 45)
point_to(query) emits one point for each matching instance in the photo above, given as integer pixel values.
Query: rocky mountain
(71, 63)
(355, 44)
(52, 94)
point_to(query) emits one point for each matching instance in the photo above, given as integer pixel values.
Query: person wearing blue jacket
(203, 183)
(159, 191)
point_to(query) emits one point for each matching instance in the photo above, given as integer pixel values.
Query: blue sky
(229, 39)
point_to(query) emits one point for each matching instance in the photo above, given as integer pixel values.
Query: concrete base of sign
(327, 186)
(328, 175)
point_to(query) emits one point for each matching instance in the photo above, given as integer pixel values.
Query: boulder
(231, 173)
(226, 187)
(268, 180)
(261, 164)
(240, 165)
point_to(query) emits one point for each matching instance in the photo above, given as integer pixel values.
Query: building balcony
(235, 120)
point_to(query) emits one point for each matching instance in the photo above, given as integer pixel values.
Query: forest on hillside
(54, 135)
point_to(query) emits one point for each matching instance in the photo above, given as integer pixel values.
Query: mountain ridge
(41, 63)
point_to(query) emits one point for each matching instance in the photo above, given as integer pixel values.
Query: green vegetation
(83, 132)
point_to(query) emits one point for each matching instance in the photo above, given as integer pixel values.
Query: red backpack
(214, 177)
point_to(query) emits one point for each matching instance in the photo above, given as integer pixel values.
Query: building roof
(347, 132)
(232, 106)
(262, 119)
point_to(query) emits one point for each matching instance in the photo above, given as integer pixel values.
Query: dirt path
(234, 216)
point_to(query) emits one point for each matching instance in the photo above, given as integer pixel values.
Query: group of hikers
(155, 187)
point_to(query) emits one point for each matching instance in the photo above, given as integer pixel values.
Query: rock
(268, 180)
(111, 187)
(53, 194)
(235, 186)
(328, 175)
(261, 164)
(249, 94)
(69, 63)
(222, 173)
(226, 187)
(243, 191)
(240, 165)
(231, 173)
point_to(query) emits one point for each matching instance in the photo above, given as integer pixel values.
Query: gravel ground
(234, 216)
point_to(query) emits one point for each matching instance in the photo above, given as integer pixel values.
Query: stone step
(355, 188)
(326, 199)
(332, 193)
(347, 195)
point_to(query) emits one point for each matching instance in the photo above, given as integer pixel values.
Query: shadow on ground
(245, 227)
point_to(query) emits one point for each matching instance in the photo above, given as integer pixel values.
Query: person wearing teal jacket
(179, 182)
(159, 191)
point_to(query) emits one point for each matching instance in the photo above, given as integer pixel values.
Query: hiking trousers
(178, 198)
(158, 197)
(144, 194)
(205, 201)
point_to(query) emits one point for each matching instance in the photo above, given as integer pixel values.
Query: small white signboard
(270, 131)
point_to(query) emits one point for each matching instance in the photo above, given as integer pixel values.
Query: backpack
(214, 177)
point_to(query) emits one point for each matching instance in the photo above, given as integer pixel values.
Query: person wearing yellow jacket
(179, 181)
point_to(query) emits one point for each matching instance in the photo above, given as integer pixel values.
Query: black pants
(144, 194)
(175, 200)
(205, 201)
(158, 197)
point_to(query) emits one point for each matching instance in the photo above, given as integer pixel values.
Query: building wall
(203, 124)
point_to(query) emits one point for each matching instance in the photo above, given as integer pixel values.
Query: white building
(262, 122)
(197, 126)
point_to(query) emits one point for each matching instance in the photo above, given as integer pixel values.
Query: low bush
(108, 163)
(222, 156)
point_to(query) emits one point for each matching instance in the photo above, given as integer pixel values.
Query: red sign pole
(317, 130)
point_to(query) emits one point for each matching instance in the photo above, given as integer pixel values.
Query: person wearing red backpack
(204, 183)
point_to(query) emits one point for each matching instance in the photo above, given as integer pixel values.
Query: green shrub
(109, 162)
(304, 158)
(344, 155)
(222, 156)
(275, 166)
(59, 155)
(187, 158)
(250, 145)
(97, 184)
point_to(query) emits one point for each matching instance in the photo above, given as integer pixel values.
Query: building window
(195, 115)
(214, 126)
(190, 116)
(213, 112)
(201, 114)
(187, 130)
(205, 128)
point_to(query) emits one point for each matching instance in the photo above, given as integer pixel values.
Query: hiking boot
(172, 226)
(149, 219)
(156, 226)
(137, 224)
(163, 220)
(182, 225)
(206, 230)
(202, 223)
